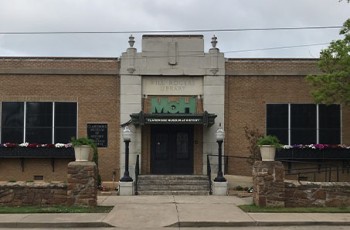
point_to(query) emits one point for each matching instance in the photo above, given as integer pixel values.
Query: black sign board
(176, 120)
(98, 133)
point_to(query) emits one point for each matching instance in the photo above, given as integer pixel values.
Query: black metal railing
(313, 169)
(137, 172)
(225, 161)
(209, 175)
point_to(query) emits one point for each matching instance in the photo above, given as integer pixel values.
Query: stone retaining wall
(81, 189)
(271, 190)
(317, 194)
(30, 193)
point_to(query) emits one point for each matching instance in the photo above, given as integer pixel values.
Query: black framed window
(38, 122)
(329, 124)
(304, 123)
(65, 121)
(277, 121)
(12, 122)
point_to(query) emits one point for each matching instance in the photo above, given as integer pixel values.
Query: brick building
(172, 94)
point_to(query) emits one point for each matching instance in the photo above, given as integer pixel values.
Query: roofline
(172, 36)
(272, 59)
(59, 58)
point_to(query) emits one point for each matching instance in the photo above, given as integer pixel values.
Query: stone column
(82, 183)
(268, 182)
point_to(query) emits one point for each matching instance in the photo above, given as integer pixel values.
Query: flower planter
(82, 152)
(267, 152)
(313, 154)
(22, 152)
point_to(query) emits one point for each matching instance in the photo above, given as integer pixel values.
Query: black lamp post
(220, 136)
(126, 137)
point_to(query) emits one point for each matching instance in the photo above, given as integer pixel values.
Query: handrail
(327, 168)
(137, 172)
(225, 161)
(209, 175)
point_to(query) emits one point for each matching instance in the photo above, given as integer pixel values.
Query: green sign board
(163, 105)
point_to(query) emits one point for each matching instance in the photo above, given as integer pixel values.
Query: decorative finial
(131, 41)
(213, 41)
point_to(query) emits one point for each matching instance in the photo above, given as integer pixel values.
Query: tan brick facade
(253, 83)
(92, 83)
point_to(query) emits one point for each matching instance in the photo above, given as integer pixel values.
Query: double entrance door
(172, 149)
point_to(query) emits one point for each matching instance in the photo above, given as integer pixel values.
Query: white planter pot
(267, 152)
(82, 152)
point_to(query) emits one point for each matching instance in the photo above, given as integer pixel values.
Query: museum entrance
(172, 149)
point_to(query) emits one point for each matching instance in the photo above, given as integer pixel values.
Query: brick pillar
(268, 182)
(82, 183)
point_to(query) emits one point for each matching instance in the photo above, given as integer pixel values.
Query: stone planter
(267, 152)
(82, 152)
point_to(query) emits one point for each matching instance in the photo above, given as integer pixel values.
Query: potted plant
(268, 145)
(82, 147)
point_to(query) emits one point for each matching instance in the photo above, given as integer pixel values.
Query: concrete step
(155, 193)
(173, 185)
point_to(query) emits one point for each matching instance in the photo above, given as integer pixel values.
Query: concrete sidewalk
(170, 211)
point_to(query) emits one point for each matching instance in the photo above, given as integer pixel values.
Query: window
(38, 122)
(304, 123)
(12, 122)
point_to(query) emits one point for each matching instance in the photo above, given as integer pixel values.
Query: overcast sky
(163, 15)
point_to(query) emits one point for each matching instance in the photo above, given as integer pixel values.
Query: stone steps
(173, 185)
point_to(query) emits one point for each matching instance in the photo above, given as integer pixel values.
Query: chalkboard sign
(98, 133)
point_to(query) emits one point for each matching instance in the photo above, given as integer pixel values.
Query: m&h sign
(164, 105)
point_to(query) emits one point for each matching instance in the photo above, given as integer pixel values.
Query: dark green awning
(141, 118)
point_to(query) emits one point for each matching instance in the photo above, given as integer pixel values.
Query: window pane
(182, 151)
(281, 134)
(277, 116)
(161, 149)
(12, 114)
(329, 124)
(329, 116)
(39, 135)
(303, 116)
(303, 136)
(303, 124)
(39, 114)
(65, 121)
(277, 121)
(65, 114)
(64, 135)
(12, 120)
(329, 136)
(12, 135)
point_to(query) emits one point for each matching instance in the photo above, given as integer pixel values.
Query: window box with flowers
(31, 150)
(313, 152)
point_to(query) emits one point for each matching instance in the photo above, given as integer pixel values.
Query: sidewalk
(171, 211)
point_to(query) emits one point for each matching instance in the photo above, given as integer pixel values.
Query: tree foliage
(253, 134)
(333, 86)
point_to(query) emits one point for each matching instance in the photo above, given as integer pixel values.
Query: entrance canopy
(141, 118)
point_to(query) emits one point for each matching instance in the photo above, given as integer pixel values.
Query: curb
(201, 224)
(183, 224)
(55, 225)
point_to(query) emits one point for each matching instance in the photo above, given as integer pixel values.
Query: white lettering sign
(172, 85)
